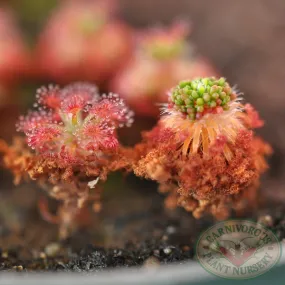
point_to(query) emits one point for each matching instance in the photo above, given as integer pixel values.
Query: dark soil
(93, 259)
(133, 229)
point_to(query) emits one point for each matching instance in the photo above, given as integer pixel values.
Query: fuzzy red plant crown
(74, 124)
(203, 151)
(71, 143)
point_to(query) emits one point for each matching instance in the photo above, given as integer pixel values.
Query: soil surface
(133, 229)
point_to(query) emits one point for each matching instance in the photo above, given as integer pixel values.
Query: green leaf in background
(32, 15)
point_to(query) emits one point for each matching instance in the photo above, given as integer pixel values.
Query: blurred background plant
(163, 56)
(238, 49)
(88, 40)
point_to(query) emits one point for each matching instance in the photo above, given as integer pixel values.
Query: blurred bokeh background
(244, 40)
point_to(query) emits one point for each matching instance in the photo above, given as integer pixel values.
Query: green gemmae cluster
(202, 96)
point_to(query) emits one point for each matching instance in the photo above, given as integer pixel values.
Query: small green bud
(186, 89)
(215, 96)
(228, 90)
(200, 102)
(187, 101)
(219, 90)
(213, 89)
(194, 84)
(213, 104)
(206, 97)
(195, 95)
(178, 102)
(221, 81)
(223, 95)
(201, 89)
(184, 83)
(211, 82)
(190, 105)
